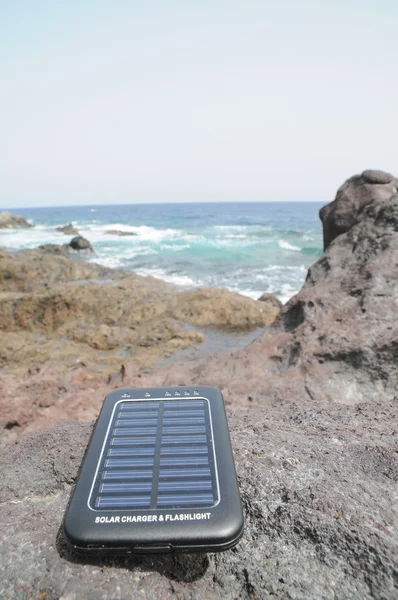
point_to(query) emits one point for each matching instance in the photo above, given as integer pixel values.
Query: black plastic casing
(201, 529)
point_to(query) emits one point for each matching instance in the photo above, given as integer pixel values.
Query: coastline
(249, 248)
(67, 323)
(311, 405)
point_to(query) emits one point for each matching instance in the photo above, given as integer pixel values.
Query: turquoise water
(246, 247)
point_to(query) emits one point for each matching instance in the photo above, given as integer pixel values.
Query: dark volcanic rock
(356, 193)
(68, 229)
(80, 243)
(320, 496)
(58, 249)
(9, 221)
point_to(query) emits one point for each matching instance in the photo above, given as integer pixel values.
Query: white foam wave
(236, 236)
(141, 233)
(284, 294)
(30, 238)
(112, 262)
(245, 292)
(174, 278)
(301, 268)
(231, 227)
(286, 246)
(175, 247)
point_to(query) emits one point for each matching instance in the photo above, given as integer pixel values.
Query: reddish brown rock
(60, 314)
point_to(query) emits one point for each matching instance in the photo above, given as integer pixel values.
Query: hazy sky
(172, 100)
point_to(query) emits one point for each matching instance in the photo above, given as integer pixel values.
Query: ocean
(247, 247)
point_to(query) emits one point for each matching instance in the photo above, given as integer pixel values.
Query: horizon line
(11, 209)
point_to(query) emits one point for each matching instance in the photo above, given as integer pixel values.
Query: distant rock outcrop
(59, 249)
(356, 193)
(120, 233)
(9, 221)
(67, 229)
(77, 244)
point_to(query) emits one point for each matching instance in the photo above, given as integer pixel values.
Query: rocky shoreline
(312, 405)
(67, 324)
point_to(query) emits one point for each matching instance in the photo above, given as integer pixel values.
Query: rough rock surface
(319, 487)
(209, 307)
(67, 326)
(9, 221)
(59, 249)
(67, 229)
(356, 193)
(80, 243)
(272, 300)
(335, 341)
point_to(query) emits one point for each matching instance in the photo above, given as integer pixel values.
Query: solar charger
(158, 476)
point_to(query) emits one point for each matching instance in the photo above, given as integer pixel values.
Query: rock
(80, 243)
(59, 249)
(210, 307)
(9, 221)
(374, 176)
(30, 270)
(67, 229)
(313, 415)
(120, 233)
(271, 300)
(55, 311)
(320, 497)
(356, 193)
(334, 342)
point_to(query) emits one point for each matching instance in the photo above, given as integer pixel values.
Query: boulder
(271, 300)
(67, 229)
(375, 176)
(356, 193)
(212, 307)
(80, 243)
(9, 221)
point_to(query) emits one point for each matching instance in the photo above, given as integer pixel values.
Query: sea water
(247, 247)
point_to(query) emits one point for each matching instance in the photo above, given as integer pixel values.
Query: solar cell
(157, 454)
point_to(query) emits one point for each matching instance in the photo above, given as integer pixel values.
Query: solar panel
(157, 454)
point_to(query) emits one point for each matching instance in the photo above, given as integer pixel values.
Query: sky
(178, 101)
